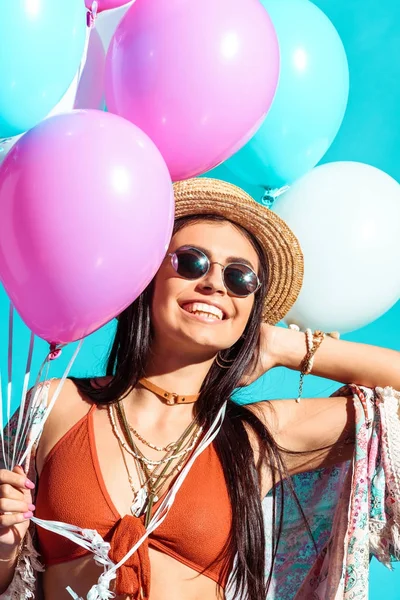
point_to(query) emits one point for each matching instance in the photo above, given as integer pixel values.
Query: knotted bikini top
(71, 489)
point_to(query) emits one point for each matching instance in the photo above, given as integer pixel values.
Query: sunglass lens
(190, 263)
(240, 280)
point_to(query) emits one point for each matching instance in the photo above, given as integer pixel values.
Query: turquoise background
(40, 52)
(370, 133)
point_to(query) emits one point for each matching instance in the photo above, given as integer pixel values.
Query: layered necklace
(152, 474)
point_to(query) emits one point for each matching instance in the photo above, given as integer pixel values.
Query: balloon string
(24, 392)
(9, 378)
(29, 412)
(271, 194)
(44, 417)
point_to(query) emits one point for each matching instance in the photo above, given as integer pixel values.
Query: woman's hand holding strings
(16, 509)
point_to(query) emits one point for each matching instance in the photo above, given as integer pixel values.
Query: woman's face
(202, 315)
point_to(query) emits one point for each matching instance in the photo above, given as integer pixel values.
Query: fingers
(8, 505)
(15, 498)
(8, 491)
(16, 478)
(18, 469)
(8, 520)
(29, 485)
(15, 502)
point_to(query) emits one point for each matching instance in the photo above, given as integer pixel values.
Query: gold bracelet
(15, 558)
(313, 342)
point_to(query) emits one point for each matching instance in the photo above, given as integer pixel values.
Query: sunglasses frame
(209, 265)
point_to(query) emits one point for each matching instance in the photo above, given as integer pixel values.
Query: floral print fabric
(353, 511)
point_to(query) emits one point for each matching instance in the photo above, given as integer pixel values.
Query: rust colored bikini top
(71, 489)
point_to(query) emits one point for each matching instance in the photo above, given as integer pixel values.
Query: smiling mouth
(204, 312)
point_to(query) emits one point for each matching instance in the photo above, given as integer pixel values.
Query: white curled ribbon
(88, 539)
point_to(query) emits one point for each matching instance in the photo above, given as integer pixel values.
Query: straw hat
(282, 249)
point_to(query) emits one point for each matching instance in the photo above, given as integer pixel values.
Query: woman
(112, 447)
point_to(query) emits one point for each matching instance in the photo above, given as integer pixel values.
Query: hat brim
(205, 196)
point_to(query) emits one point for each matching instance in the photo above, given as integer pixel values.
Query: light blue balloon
(310, 101)
(42, 42)
(370, 133)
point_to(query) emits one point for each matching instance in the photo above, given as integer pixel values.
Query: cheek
(243, 312)
(167, 291)
(165, 297)
(246, 307)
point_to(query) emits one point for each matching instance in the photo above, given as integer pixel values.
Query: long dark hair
(126, 364)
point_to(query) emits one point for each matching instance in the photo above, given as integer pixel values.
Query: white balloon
(107, 22)
(346, 216)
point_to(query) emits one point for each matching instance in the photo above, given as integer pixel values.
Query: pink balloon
(105, 4)
(86, 214)
(198, 76)
(90, 93)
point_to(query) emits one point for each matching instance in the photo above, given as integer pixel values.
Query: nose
(213, 282)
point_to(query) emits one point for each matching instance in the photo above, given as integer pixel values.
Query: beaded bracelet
(313, 342)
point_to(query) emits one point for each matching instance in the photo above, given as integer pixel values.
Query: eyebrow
(230, 259)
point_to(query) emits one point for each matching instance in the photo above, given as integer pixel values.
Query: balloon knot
(3, 142)
(92, 14)
(54, 352)
(271, 194)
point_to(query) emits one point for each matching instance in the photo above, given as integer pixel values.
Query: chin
(199, 337)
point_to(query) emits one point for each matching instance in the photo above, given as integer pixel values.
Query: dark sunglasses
(192, 263)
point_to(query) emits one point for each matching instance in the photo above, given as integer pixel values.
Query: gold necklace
(151, 482)
(167, 448)
(143, 459)
(128, 429)
(155, 475)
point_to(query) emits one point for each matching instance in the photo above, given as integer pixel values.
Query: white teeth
(209, 316)
(207, 309)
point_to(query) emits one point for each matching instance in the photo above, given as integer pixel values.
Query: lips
(205, 311)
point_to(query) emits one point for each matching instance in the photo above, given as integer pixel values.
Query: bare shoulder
(69, 408)
(69, 399)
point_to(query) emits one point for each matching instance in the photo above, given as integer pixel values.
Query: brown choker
(168, 397)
